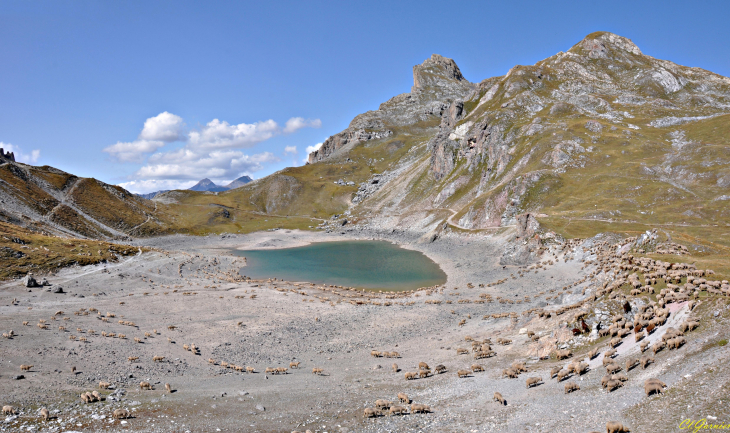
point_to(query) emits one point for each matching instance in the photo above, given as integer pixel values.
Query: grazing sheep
(168, 388)
(158, 358)
(375, 353)
(420, 408)
(610, 353)
(613, 368)
(616, 427)
(615, 342)
(533, 381)
(133, 358)
(509, 373)
(96, 395)
(562, 374)
(26, 367)
(498, 397)
(145, 385)
(371, 412)
(403, 398)
(593, 353)
(463, 373)
(120, 414)
(383, 404)
(562, 354)
(645, 361)
(620, 376)
(423, 373)
(45, 414)
(395, 368)
(613, 384)
(317, 371)
(519, 367)
(104, 385)
(8, 410)
(268, 370)
(476, 367)
(410, 375)
(554, 371)
(397, 410)
(654, 380)
(631, 363)
(440, 369)
(294, 364)
(605, 379)
(656, 348)
(570, 387)
(281, 370)
(644, 346)
(462, 351)
(251, 370)
(423, 366)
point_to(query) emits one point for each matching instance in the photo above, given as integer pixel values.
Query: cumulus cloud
(296, 123)
(290, 150)
(165, 127)
(134, 151)
(222, 135)
(187, 164)
(152, 185)
(20, 156)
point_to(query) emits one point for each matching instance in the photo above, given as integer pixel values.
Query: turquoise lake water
(374, 265)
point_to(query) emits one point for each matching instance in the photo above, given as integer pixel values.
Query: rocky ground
(188, 290)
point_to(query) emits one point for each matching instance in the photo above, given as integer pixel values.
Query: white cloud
(290, 150)
(25, 158)
(163, 127)
(152, 185)
(187, 164)
(222, 135)
(296, 123)
(134, 151)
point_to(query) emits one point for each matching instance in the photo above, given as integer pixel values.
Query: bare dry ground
(188, 290)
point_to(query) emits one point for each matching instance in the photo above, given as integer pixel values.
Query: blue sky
(220, 89)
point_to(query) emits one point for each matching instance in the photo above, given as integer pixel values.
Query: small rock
(19, 377)
(260, 408)
(377, 367)
(29, 281)
(57, 289)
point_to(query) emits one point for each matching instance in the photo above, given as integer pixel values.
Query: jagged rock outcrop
(8, 156)
(437, 82)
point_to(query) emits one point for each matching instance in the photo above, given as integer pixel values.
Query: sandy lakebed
(188, 291)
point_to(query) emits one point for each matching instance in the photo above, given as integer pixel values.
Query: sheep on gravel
(145, 385)
(403, 398)
(533, 381)
(562, 374)
(645, 361)
(8, 410)
(620, 376)
(616, 427)
(654, 380)
(652, 388)
(477, 368)
(26, 367)
(593, 353)
(409, 375)
(631, 363)
(498, 397)
(644, 345)
(509, 373)
(294, 364)
(463, 373)
(570, 387)
(613, 384)
(420, 408)
(318, 371)
(554, 371)
(656, 348)
(613, 368)
(440, 369)
(563, 354)
(383, 404)
(423, 373)
(120, 414)
(397, 410)
(423, 366)
(45, 414)
(395, 368)
(168, 388)
(371, 412)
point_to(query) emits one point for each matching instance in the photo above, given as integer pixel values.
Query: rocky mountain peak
(602, 45)
(437, 71)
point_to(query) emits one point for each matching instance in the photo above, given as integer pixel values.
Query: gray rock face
(29, 281)
(436, 83)
(57, 289)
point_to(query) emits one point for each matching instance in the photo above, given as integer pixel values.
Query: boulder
(29, 281)
(57, 289)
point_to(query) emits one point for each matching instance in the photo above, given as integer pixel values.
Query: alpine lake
(369, 265)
